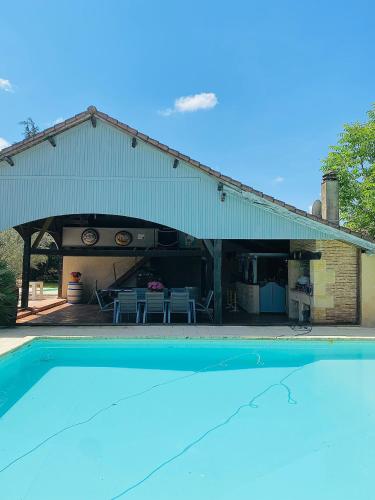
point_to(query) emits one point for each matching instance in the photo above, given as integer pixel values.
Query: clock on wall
(123, 238)
(90, 237)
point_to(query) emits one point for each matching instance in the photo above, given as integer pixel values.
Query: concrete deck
(12, 338)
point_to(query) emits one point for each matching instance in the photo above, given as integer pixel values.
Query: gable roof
(92, 114)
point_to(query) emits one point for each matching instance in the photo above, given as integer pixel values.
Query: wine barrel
(74, 294)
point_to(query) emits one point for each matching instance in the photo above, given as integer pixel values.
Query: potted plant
(8, 296)
(75, 276)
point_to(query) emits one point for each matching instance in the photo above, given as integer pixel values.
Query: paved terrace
(11, 338)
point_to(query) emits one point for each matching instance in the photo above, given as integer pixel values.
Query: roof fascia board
(330, 231)
(21, 146)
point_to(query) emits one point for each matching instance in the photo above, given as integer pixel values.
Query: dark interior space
(253, 274)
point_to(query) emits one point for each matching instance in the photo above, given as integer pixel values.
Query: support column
(60, 283)
(26, 271)
(218, 294)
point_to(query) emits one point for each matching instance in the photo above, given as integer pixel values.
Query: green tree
(8, 296)
(29, 128)
(353, 158)
(11, 251)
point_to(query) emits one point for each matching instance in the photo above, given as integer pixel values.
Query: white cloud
(278, 179)
(3, 143)
(309, 209)
(191, 103)
(6, 85)
(58, 120)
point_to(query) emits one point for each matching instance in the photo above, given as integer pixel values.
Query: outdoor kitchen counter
(248, 297)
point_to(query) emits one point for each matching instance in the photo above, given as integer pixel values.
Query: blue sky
(286, 75)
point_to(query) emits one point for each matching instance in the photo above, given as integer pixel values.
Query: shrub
(8, 296)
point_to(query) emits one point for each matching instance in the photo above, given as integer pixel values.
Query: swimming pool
(194, 419)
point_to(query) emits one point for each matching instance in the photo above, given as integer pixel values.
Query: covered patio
(156, 254)
(128, 256)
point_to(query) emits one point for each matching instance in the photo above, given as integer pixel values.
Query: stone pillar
(334, 278)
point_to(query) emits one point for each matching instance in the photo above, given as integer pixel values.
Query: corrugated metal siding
(95, 170)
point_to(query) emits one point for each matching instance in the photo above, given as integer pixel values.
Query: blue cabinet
(272, 298)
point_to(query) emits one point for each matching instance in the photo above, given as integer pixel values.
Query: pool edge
(13, 344)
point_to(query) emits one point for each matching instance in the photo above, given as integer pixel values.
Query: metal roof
(313, 226)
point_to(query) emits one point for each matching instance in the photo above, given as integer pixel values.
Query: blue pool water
(160, 420)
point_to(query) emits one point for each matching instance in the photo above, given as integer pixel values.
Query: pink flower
(155, 286)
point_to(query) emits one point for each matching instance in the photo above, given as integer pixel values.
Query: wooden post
(26, 271)
(218, 294)
(60, 283)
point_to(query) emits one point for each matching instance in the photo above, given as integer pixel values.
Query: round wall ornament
(90, 237)
(123, 238)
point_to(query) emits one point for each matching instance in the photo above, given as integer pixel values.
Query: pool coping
(12, 339)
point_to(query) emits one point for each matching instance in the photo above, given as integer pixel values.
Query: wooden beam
(9, 160)
(218, 293)
(52, 141)
(26, 271)
(43, 231)
(60, 279)
(209, 246)
(117, 252)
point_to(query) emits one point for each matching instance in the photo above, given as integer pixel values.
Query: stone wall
(335, 278)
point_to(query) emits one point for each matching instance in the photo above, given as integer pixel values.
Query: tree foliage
(353, 158)
(11, 251)
(29, 128)
(8, 296)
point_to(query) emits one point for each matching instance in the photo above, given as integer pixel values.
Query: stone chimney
(316, 208)
(330, 197)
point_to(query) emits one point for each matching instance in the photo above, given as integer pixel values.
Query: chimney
(316, 208)
(330, 197)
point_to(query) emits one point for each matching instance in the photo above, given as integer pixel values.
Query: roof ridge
(20, 146)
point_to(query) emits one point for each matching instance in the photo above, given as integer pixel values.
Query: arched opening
(113, 252)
